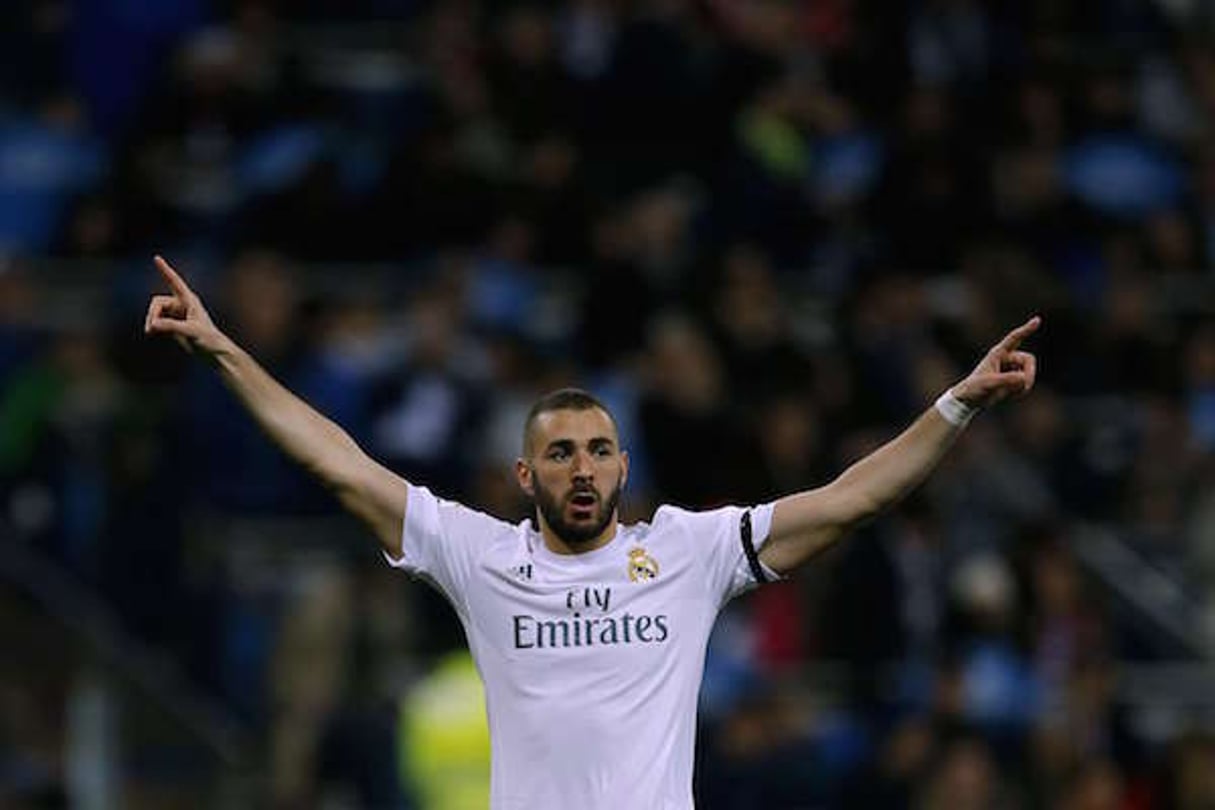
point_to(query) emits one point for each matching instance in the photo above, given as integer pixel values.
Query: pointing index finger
(1013, 339)
(175, 281)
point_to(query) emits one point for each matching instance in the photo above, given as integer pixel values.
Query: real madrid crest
(641, 565)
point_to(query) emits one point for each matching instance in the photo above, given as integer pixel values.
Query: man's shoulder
(423, 492)
(670, 519)
(461, 518)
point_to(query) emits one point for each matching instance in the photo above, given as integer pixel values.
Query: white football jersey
(592, 662)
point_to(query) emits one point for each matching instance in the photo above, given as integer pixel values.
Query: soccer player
(589, 634)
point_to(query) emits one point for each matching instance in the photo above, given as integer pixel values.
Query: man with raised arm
(589, 634)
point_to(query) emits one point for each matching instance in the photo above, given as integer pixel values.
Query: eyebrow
(568, 444)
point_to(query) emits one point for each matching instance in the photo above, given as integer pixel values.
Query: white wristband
(955, 411)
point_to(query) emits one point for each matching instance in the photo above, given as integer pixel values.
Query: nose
(582, 469)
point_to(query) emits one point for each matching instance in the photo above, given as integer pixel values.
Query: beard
(576, 534)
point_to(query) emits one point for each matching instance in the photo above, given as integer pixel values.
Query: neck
(558, 546)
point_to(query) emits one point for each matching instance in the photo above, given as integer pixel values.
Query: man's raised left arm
(807, 523)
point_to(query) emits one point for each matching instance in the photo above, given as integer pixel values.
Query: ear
(624, 468)
(523, 474)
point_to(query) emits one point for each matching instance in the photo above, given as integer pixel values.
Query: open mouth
(583, 504)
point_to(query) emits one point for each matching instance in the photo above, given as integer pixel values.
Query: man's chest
(637, 602)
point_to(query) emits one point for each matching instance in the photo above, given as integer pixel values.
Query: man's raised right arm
(367, 489)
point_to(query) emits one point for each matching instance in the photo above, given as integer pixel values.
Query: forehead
(575, 425)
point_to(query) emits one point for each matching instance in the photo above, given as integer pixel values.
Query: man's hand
(1003, 372)
(182, 315)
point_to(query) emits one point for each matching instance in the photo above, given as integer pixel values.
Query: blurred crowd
(767, 232)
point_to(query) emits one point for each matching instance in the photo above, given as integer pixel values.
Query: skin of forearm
(808, 523)
(314, 441)
(365, 488)
(893, 471)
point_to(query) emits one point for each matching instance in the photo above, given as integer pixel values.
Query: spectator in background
(234, 471)
(901, 763)
(1000, 692)
(47, 158)
(701, 454)
(57, 419)
(529, 88)
(20, 333)
(751, 328)
(1066, 628)
(933, 186)
(1200, 385)
(619, 298)
(552, 193)
(445, 746)
(965, 777)
(765, 755)
(1189, 777)
(917, 172)
(1096, 786)
(426, 411)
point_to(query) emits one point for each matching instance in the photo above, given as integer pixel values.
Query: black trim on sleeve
(744, 530)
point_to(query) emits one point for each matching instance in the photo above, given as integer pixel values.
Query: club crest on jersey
(642, 566)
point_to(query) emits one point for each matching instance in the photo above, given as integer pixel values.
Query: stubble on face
(553, 507)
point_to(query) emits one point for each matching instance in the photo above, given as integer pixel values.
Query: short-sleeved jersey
(592, 662)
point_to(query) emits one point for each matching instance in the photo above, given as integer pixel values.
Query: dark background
(768, 233)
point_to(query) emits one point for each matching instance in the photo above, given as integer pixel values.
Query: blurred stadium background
(768, 232)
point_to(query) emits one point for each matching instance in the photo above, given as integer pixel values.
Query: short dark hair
(563, 399)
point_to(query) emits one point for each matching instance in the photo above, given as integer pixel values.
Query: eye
(558, 454)
(603, 451)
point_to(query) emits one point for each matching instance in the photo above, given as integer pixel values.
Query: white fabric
(955, 411)
(591, 676)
